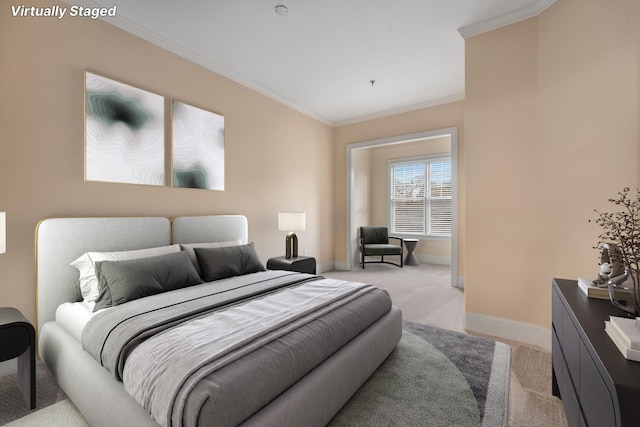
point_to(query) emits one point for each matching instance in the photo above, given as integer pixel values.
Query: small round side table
(410, 244)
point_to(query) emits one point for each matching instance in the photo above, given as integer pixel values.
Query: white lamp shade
(3, 232)
(291, 221)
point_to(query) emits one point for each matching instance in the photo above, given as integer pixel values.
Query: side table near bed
(300, 264)
(18, 339)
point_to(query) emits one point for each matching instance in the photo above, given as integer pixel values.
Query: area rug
(433, 378)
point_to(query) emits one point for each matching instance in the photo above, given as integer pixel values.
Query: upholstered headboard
(209, 228)
(59, 241)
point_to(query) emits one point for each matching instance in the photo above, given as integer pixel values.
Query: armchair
(374, 240)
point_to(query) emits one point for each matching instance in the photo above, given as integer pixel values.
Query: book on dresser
(627, 330)
(628, 352)
(592, 291)
(623, 292)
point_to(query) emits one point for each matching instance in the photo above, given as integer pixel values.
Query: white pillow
(192, 254)
(87, 267)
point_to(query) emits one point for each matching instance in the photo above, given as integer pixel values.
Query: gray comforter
(270, 357)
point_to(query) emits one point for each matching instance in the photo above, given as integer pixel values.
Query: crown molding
(400, 110)
(503, 20)
(177, 49)
(188, 54)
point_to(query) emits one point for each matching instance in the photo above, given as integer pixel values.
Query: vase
(623, 293)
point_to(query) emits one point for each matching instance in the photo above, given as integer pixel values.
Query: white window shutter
(421, 197)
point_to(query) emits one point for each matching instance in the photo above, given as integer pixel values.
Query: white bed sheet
(74, 316)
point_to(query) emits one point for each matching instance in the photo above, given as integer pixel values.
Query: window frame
(409, 161)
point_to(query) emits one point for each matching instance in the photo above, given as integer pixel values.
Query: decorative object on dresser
(597, 385)
(18, 338)
(620, 247)
(291, 221)
(591, 290)
(301, 264)
(611, 265)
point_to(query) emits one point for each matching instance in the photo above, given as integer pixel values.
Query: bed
(271, 381)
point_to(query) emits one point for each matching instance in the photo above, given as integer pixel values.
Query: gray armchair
(375, 241)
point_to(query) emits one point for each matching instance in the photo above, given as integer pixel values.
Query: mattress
(74, 316)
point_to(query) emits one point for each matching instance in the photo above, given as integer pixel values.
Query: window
(420, 197)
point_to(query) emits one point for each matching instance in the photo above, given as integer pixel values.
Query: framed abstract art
(197, 147)
(124, 133)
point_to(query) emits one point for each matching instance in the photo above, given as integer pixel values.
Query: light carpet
(13, 405)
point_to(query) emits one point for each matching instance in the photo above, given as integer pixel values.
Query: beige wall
(362, 187)
(427, 119)
(276, 159)
(434, 251)
(552, 132)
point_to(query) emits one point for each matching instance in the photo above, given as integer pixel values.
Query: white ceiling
(320, 58)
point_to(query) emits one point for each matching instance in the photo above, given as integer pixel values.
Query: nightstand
(301, 264)
(18, 339)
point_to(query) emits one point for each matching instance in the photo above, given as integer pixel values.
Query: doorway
(352, 150)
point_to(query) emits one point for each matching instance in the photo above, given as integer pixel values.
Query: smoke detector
(282, 10)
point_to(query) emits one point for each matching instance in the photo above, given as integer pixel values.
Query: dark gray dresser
(597, 385)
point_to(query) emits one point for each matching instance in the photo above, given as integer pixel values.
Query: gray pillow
(189, 248)
(220, 263)
(122, 281)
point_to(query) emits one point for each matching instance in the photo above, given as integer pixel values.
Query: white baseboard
(434, 259)
(509, 329)
(340, 265)
(321, 268)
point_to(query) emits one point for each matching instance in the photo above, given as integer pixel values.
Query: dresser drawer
(557, 360)
(556, 313)
(570, 400)
(595, 396)
(570, 342)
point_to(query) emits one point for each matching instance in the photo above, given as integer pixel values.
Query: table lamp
(291, 221)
